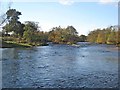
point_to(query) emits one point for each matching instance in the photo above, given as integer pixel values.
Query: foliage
(63, 35)
(9, 44)
(13, 24)
(82, 38)
(33, 35)
(29, 33)
(108, 35)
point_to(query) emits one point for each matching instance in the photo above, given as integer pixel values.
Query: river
(60, 66)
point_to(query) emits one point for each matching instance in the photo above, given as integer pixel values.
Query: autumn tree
(63, 35)
(109, 35)
(112, 38)
(101, 37)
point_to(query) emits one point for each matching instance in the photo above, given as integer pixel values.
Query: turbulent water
(60, 66)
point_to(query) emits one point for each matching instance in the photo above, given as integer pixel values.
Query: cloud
(70, 2)
(66, 2)
(108, 1)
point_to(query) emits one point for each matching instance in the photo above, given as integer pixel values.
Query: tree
(29, 31)
(112, 38)
(109, 35)
(82, 38)
(71, 30)
(13, 24)
(92, 36)
(28, 35)
(30, 25)
(101, 37)
(118, 37)
(63, 35)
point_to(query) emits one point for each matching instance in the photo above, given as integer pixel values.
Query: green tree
(32, 26)
(13, 24)
(82, 38)
(28, 35)
(30, 30)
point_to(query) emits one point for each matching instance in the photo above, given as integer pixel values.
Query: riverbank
(10, 44)
(15, 43)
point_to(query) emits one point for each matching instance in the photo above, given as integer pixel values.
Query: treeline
(110, 35)
(29, 32)
(63, 35)
(18, 32)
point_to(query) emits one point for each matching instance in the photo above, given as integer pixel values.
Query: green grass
(11, 44)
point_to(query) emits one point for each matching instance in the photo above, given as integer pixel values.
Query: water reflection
(10, 53)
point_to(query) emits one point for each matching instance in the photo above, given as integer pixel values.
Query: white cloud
(108, 1)
(66, 2)
(70, 2)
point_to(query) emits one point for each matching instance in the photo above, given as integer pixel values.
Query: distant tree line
(110, 35)
(63, 35)
(29, 32)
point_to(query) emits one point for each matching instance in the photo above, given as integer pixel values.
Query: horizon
(84, 16)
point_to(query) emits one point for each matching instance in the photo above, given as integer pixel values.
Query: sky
(83, 15)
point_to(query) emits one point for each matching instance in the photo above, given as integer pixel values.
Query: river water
(60, 66)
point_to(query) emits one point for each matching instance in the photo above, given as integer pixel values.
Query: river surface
(60, 66)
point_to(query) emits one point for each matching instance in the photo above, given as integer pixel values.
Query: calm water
(53, 66)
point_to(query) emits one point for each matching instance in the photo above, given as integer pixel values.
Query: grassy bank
(13, 42)
(10, 44)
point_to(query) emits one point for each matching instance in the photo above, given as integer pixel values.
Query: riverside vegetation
(28, 34)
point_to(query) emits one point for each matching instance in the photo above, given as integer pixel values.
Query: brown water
(55, 66)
